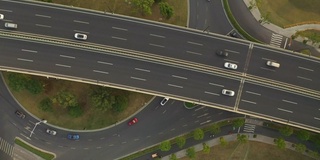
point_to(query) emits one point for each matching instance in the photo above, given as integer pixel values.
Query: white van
(11, 25)
(273, 64)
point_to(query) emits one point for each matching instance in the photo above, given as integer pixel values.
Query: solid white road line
(65, 56)
(232, 51)
(136, 78)
(316, 118)
(215, 94)
(258, 94)
(119, 38)
(248, 101)
(107, 63)
(195, 43)
(267, 69)
(83, 22)
(175, 76)
(159, 36)
(103, 72)
(156, 45)
(144, 70)
(26, 60)
(172, 85)
(304, 78)
(194, 53)
(267, 59)
(5, 10)
(81, 31)
(27, 50)
(44, 16)
(284, 100)
(231, 61)
(122, 29)
(62, 65)
(284, 110)
(41, 25)
(214, 84)
(307, 69)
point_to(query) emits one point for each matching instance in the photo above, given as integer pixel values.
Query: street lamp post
(43, 121)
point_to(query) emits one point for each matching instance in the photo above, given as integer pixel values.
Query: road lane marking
(242, 100)
(258, 94)
(119, 38)
(122, 29)
(136, 78)
(72, 148)
(232, 51)
(175, 76)
(81, 31)
(159, 36)
(65, 56)
(196, 121)
(98, 147)
(231, 61)
(26, 60)
(185, 125)
(101, 62)
(267, 69)
(110, 145)
(60, 146)
(140, 69)
(202, 115)
(83, 22)
(136, 139)
(195, 43)
(172, 129)
(27, 50)
(103, 72)
(41, 15)
(172, 85)
(194, 53)
(215, 94)
(214, 84)
(267, 59)
(5, 10)
(41, 25)
(284, 100)
(284, 110)
(306, 69)
(62, 65)
(86, 148)
(316, 118)
(304, 78)
(156, 45)
(199, 108)
(123, 142)
(102, 138)
(202, 123)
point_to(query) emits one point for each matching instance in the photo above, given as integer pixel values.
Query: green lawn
(288, 12)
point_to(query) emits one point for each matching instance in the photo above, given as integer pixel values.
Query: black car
(20, 114)
(222, 53)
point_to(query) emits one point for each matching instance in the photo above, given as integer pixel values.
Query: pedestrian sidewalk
(288, 32)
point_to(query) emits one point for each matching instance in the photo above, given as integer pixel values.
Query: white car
(227, 92)
(230, 65)
(164, 101)
(1, 16)
(80, 36)
(52, 132)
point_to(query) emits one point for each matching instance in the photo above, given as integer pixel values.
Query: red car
(133, 121)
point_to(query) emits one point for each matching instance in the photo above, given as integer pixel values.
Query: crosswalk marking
(276, 40)
(6, 147)
(249, 128)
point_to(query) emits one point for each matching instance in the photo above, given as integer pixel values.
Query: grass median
(44, 155)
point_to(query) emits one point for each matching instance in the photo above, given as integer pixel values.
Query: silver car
(164, 101)
(230, 65)
(80, 36)
(51, 132)
(1, 16)
(227, 92)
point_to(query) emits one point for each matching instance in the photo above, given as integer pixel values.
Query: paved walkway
(288, 32)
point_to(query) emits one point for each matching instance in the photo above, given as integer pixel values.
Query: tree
(173, 157)
(17, 81)
(143, 6)
(314, 154)
(300, 148)
(181, 141)
(191, 152)
(157, 1)
(166, 10)
(34, 86)
(214, 128)
(223, 142)
(286, 131)
(102, 98)
(65, 99)
(280, 143)
(198, 134)
(303, 135)
(206, 148)
(165, 146)
(121, 103)
(46, 105)
(242, 138)
(75, 111)
(238, 122)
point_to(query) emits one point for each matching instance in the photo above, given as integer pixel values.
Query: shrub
(46, 105)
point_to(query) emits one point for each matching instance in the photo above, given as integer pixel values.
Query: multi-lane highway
(181, 62)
